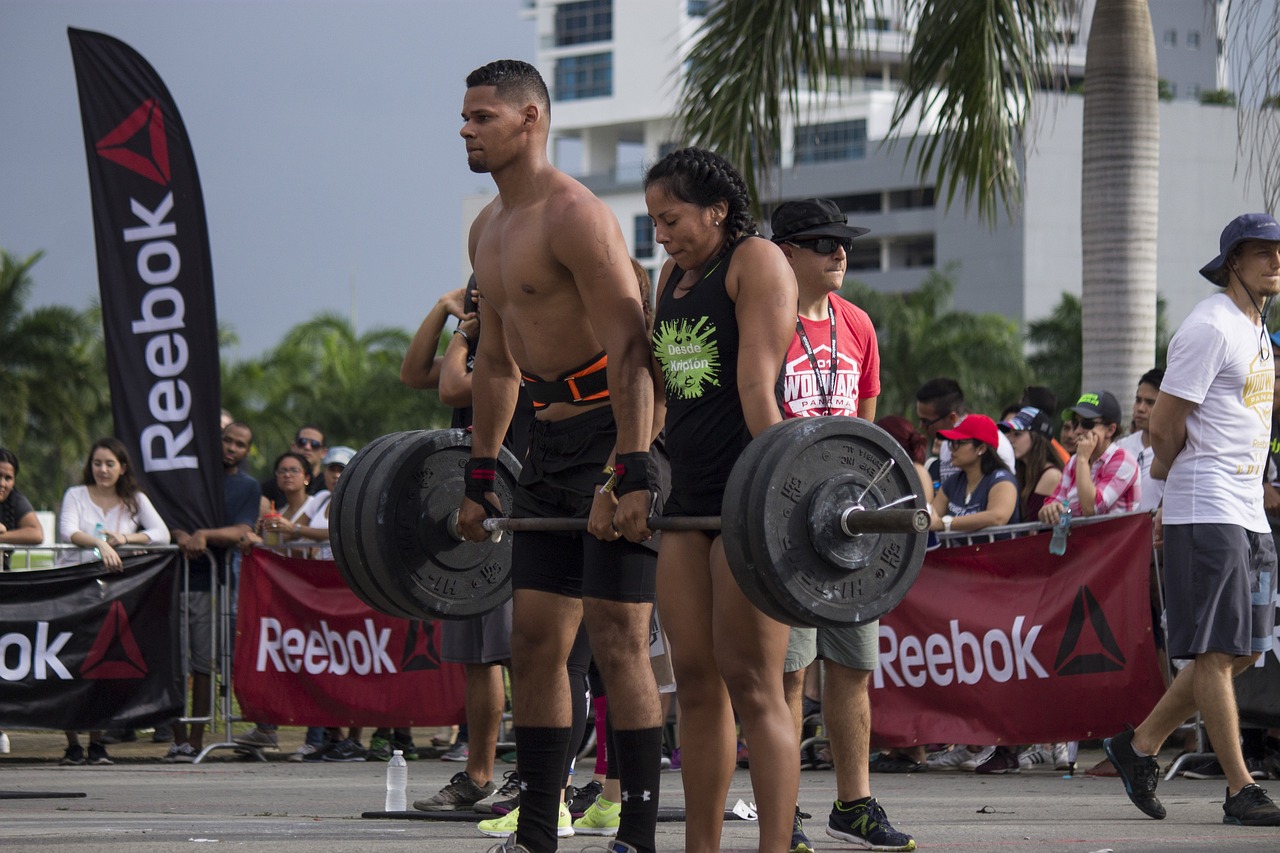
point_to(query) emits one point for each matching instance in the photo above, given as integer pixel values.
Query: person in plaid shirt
(1101, 477)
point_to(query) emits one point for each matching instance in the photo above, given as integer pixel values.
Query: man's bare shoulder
(568, 201)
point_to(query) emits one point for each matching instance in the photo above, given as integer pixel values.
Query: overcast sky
(325, 132)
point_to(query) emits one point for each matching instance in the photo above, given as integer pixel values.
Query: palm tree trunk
(1120, 196)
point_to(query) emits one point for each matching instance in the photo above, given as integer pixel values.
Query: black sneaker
(73, 757)
(864, 822)
(407, 747)
(1140, 773)
(800, 842)
(1250, 807)
(346, 750)
(583, 798)
(98, 754)
(1205, 768)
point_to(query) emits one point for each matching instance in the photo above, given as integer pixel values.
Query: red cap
(980, 427)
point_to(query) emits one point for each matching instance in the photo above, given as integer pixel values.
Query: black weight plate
(346, 531)
(815, 467)
(413, 553)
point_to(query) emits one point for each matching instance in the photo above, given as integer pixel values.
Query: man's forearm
(631, 394)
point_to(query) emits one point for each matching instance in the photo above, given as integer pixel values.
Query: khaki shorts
(855, 647)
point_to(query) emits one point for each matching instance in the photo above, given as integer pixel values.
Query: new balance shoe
(457, 752)
(800, 842)
(1001, 761)
(1140, 773)
(346, 750)
(508, 792)
(73, 756)
(583, 797)
(180, 753)
(864, 822)
(256, 737)
(461, 794)
(601, 818)
(1035, 757)
(98, 754)
(501, 827)
(1250, 807)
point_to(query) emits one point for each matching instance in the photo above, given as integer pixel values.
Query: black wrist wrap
(632, 471)
(480, 475)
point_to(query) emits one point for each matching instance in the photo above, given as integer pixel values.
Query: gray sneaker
(510, 790)
(258, 738)
(461, 794)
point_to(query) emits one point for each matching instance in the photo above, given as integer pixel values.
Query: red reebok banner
(83, 648)
(1004, 643)
(308, 652)
(155, 278)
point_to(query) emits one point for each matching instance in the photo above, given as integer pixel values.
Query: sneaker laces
(461, 778)
(510, 784)
(1145, 771)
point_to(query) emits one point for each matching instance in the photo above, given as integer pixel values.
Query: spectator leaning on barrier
(1039, 469)
(309, 442)
(205, 549)
(1101, 477)
(19, 524)
(983, 491)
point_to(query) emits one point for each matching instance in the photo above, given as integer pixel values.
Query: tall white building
(613, 70)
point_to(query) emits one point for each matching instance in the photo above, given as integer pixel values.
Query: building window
(865, 256)
(841, 140)
(861, 203)
(910, 252)
(912, 199)
(644, 236)
(1170, 38)
(589, 76)
(1193, 39)
(584, 22)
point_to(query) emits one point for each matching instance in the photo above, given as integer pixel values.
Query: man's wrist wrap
(632, 471)
(480, 475)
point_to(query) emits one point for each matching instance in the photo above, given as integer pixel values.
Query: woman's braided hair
(701, 177)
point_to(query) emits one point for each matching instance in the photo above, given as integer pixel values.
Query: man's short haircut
(943, 394)
(514, 80)
(243, 426)
(1040, 397)
(1153, 377)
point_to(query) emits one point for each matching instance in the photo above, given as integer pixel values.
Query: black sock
(611, 747)
(640, 772)
(540, 759)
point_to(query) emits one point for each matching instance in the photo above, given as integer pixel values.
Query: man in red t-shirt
(833, 368)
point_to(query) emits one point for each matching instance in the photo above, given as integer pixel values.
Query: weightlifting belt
(581, 386)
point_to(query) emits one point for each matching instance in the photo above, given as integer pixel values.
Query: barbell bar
(854, 521)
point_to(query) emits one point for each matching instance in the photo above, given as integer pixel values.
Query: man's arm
(421, 368)
(1168, 427)
(867, 408)
(765, 306)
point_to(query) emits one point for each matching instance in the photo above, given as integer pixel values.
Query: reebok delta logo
(146, 154)
(420, 652)
(115, 652)
(1107, 658)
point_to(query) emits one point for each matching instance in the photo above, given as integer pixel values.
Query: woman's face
(331, 475)
(290, 476)
(7, 476)
(689, 233)
(1021, 441)
(106, 468)
(965, 452)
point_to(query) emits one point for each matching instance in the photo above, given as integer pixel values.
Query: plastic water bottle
(397, 782)
(1058, 544)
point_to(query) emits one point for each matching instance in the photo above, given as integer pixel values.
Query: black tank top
(695, 339)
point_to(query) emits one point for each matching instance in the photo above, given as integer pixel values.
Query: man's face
(490, 126)
(931, 421)
(310, 443)
(1067, 437)
(1256, 264)
(814, 269)
(1143, 401)
(236, 441)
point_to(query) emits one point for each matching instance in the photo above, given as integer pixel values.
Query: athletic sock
(640, 773)
(540, 759)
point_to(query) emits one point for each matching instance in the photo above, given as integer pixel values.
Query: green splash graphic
(689, 356)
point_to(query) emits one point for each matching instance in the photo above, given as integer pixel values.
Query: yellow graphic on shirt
(689, 356)
(1259, 389)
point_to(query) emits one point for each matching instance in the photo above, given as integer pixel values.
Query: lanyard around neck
(824, 391)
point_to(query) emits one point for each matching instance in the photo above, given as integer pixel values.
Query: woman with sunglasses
(1039, 468)
(983, 492)
(1101, 477)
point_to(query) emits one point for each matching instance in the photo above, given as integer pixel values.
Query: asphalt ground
(228, 801)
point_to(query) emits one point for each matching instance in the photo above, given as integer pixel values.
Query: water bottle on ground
(397, 782)
(1058, 544)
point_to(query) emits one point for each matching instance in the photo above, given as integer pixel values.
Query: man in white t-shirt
(1138, 441)
(1210, 430)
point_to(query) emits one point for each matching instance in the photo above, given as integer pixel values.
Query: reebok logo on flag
(1092, 651)
(147, 155)
(115, 653)
(420, 648)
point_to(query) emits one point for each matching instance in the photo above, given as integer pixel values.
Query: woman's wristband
(465, 336)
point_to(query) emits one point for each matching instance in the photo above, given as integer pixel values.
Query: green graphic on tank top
(690, 359)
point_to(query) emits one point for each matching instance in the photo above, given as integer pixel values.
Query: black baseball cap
(811, 217)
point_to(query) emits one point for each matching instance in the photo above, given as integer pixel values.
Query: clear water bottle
(397, 782)
(1058, 544)
(98, 530)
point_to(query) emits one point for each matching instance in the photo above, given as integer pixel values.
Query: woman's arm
(1001, 501)
(764, 292)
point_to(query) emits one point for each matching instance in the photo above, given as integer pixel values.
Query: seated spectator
(1039, 470)
(19, 524)
(106, 511)
(1101, 477)
(982, 492)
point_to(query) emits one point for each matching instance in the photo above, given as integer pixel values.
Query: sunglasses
(1086, 423)
(313, 443)
(824, 245)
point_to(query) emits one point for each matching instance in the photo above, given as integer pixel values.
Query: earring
(716, 223)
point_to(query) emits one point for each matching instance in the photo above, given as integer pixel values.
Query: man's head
(237, 439)
(1039, 397)
(939, 405)
(1145, 398)
(1248, 248)
(506, 105)
(309, 441)
(816, 238)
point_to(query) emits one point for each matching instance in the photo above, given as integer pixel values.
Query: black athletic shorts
(559, 479)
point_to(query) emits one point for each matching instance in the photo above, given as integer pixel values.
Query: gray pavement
(277, 805)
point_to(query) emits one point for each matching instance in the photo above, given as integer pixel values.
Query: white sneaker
(977, 758)
(1061, 756)
(303, 751)
(4, 743)
(1034, 757)
(949, 759)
